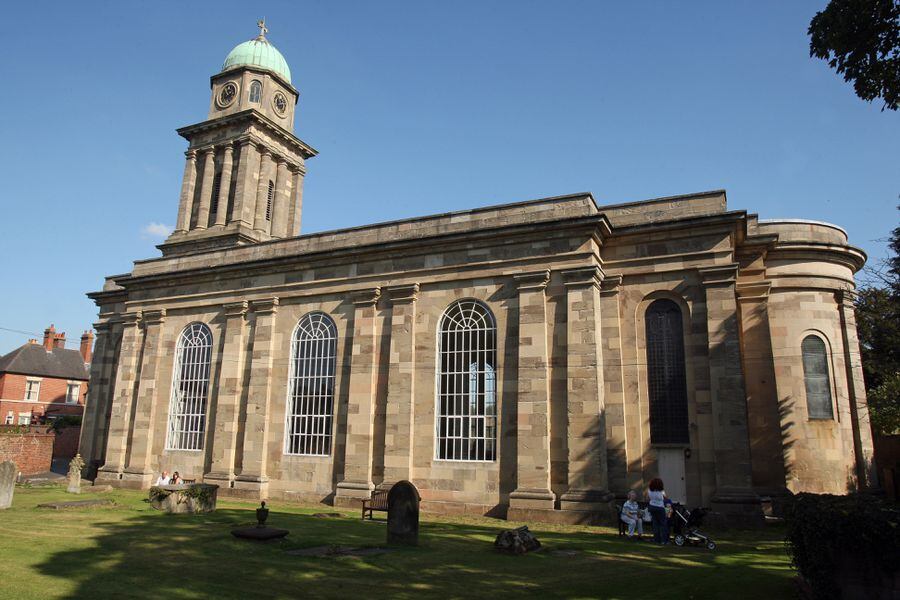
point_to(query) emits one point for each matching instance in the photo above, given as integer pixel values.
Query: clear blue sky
(418, 108)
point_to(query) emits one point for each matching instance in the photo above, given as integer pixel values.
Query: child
(631, 515)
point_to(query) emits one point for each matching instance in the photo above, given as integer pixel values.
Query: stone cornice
(131, 318)
(365, 297)
(752, 290)
(235, 309)
(397, 294)
(153, 317)
(583, 276)
(533, 281)
(610, 285)
(719, 275)
(251, 116)
(267, 306)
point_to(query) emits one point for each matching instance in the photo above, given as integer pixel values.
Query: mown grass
(130, 550)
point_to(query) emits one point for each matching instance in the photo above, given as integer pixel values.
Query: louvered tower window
(815, 377)
(269, 196)
(666, 382)
(466, 426)
(217, 185)
(190, 388)
(311, 386)
(255, 91)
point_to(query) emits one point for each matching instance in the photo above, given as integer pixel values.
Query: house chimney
(59, 340)
(49, 334)
(87, 344)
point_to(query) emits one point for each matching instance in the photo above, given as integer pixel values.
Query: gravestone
(8, 474)
(75, 467)
(403, 514)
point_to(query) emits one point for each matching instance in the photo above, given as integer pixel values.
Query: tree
(860, 39)
(878, 326)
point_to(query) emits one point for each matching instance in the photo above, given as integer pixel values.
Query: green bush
(60, 423)
(825, 531)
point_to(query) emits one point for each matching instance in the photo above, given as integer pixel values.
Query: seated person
(176, 479)
(631, 515)
(163, 479)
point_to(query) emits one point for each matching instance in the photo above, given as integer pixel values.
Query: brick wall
(51, 398)
(66, 444)
(32, 452)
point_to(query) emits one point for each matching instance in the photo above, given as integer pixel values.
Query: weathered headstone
(8, 474)
(403, 514)
(75, 467)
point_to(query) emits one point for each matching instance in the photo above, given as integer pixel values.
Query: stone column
(206, 187)
(126, 379)
(866, 470)
(619, 422)
(97, 397)
(586, 419)
(186, 202)
(282, 197)
(253, 475)
(140, 461)
(260, 223)
(228, 396)
(244, 208)
(224, 185)
(533, 403)
(398, 436)
(731, 439)
(295, 206)
(357, 481)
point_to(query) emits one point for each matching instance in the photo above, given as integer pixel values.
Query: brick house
(44, 381)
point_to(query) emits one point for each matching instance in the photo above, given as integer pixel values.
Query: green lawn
(132, 551)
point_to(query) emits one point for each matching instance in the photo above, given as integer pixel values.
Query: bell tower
(243, 177)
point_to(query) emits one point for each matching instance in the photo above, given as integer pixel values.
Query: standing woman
(656, 496)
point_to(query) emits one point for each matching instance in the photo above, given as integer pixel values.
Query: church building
(529, 360)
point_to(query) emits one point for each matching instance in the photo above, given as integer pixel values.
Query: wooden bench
(378, 501)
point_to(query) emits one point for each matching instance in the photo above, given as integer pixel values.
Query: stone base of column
(349, 493)
(737, 507)
(586, 500)
(251, 486)
(108, 475)
(136, 478)
(220, 478)
(523, 502)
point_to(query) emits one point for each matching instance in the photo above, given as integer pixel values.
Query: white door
(671, 471)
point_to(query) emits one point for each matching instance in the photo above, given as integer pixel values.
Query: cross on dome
(263, 30)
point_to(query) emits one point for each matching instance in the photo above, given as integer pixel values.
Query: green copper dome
(258, 52)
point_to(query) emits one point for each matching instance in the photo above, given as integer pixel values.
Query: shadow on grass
(154, 555)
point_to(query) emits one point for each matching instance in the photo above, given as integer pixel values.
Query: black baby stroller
(686, 527)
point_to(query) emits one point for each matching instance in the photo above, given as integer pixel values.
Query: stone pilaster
(206, 187)
(186, 201)
(253, 475)
(282, 197)
(398, 436)
(618, 421)
(97, 397)
(533, 403)
(140, 465)
(260, 223)
(224, 185)
(295, 208)
(244, 209)
(586, 419)
(123, 397)
(357, 482)
(731, 438)
(228, 396)
(866, 471)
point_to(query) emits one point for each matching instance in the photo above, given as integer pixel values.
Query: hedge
(830, 537)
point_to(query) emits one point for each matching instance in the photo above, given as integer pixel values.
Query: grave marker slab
(8, 472)
(403, 514)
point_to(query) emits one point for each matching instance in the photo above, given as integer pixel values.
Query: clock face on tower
(280, 103)
(227, 94)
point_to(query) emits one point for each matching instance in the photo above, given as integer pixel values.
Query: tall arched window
(666, 381)
(815, 376)
(467, 383)
(255, 91)
(190, 388)
(311, 386)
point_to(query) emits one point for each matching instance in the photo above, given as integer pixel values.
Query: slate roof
(33, 359)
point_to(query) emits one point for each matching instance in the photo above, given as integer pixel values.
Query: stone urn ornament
(75, 467)
(262, 513)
